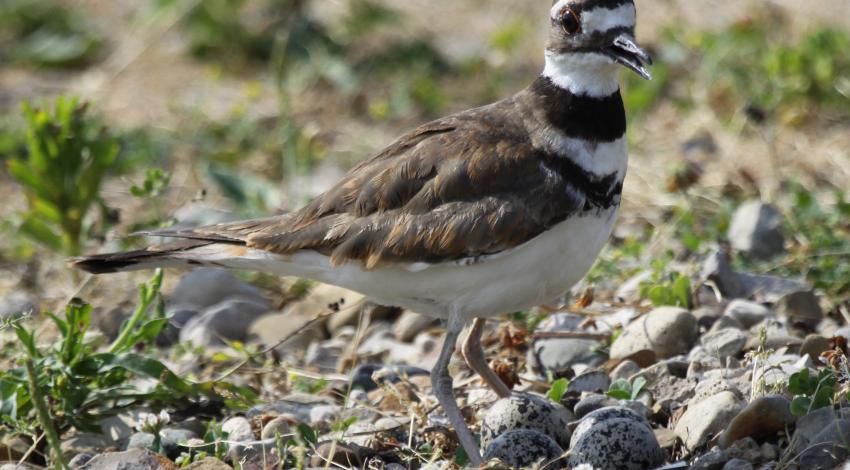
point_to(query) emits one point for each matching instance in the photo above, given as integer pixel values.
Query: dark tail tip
(110, 262)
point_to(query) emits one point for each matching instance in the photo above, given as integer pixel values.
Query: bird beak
(627, 53)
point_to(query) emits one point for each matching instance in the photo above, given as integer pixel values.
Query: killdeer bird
(485, 212)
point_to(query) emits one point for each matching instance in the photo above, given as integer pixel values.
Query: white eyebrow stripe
(604, 19)
(557, 8)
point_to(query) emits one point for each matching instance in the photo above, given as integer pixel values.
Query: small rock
(726, 322)
(526, 411)
(747, 312)
(756, 230)
(724, 343)
(522, 448)
(813, 345)
(763, 418)
(85, 442)
(271, 329)
(205, 287)
(705, 418)
(238, 429)
(711, 460)
(141, 440)
(738, 464)
(177, 319)
(668, 331)
(592, 403)
(625, 369)
(282, 425)
(173, 441)
(229, 320)
(595, 381)
(134, 459)
(209, 463)
(801, 306)
(324, 413)
(364, 376)
(614, 444)
(558, 355)
(410, 324)
(828, 448)
(16, 304)
(336, 454)
(297, 405)
(79, 460)
(768, 452)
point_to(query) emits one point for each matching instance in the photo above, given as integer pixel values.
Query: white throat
(583, 73)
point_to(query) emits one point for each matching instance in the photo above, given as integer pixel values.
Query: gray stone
(724, 343)
(813, 345)
(273, 328)
(336, 455)
(594, 381)
(297, 405)
(522, 448)
(205, 287)
(134, 459)
(526, 411)
(828, 448)
(209, 463)
(85, 442)
(558, 355)
(173, 440)
(364, 376)
(282, 425)
(801, 306)
(16, 304)
(324, 413)
(734, 285)
(756, 230)
(625, 370)
(119, 428)
(667, 331)
(714, 459)
(177, 319)
(738, 464)
(78, 461)
(228, 320)
(810, 425)
(410, 324)
(763, 418)
(747, 312)
(141, 440)
(592, 403)
(726, 322)
(238, 429)
(616, 444)
(705, 418)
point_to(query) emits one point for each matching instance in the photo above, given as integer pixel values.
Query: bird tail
(183, 253)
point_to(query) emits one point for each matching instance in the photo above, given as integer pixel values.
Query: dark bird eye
(570, 21)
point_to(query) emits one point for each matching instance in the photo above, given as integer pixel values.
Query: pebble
(616, 444)
(238, 429)
(559, 355)
(364, 375)
(173, 441)
(135, 459)
(84, 442)
(78, 461)
(271, 329)
(813, 345)
(738, 464)
(592, 403)
(410, 324)
(704, 418)
(756, 230)
(724, 343)
(828, 448)
(801, 306)
(324, 414)
(747, 312)
(281, 425)
(668, 331)
(229, 319)
(16, 304)
(714, 459)
(625, 369)
(141, 440)
(763, 418)
(205, 287)
(526, 411)
(595, 381)
(209, 463)
(336, 454)
(522, 448)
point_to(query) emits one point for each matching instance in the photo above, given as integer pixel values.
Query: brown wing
(461, 187)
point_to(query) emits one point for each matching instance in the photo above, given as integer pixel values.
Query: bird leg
(441, 382)
(474, 355)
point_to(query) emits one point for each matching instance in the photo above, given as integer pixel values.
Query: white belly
(528, 275)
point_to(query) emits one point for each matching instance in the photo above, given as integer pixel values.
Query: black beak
(627, 53)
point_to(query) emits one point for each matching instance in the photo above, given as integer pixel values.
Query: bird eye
(570, 21)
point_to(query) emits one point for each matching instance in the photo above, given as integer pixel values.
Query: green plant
(46, 33)
(82, 383)
(811, 393)
(67, 157)
(558, 389)
(673, 289)
(621, 389)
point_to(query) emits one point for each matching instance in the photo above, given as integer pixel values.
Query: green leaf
(42, 233)
(620, 389)
(799, 383)
(637, 387)
(800, 406)
(558, 389)
(307, 434)
(681, 291)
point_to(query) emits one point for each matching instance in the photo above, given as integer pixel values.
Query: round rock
(522, 448)
(756, 230)
(763, 418)
(557, 355)
(617, 444)
(526, 411)
(668, 331)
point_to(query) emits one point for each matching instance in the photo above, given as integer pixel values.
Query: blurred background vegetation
(190, 112)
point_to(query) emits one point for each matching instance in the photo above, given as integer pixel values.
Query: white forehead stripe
(585, 73)
(604, 19)
(557, 8)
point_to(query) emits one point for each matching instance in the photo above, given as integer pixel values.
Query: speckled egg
(522, 448)
(604, 414)
(617, 444)
(526, 411)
